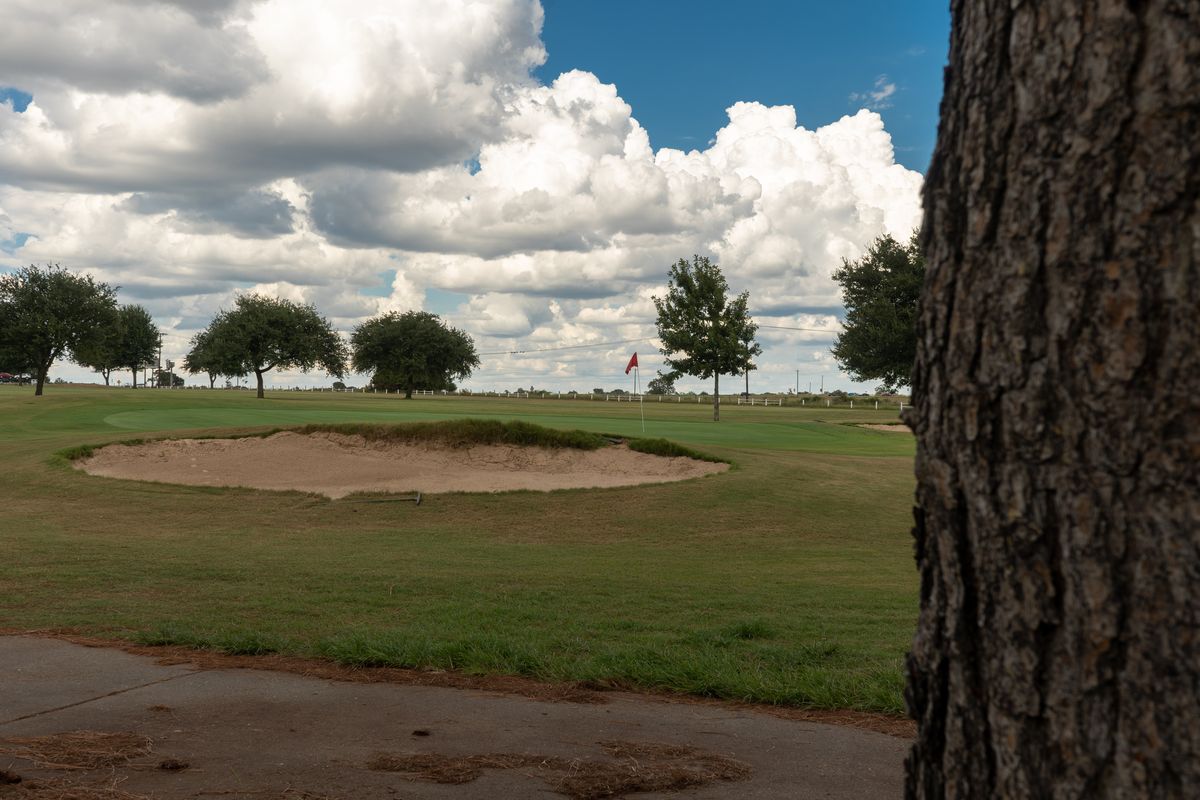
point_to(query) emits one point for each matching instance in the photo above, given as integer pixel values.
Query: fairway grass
(787, 580)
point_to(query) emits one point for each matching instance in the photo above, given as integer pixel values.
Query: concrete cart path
(260, 734)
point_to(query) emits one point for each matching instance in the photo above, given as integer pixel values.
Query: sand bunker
(901, 428)
(337, 465)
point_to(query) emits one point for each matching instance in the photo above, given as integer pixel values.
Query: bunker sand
(887, 428)
(337, 465)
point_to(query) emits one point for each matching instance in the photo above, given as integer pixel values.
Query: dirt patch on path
(337, 465)
(632, 768)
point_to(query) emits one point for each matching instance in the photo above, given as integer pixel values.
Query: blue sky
(15, 97)
(681, 63)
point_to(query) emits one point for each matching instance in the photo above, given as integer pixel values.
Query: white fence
(812, 401)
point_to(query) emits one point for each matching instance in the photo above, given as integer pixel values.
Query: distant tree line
(48, 313)
(409, 351)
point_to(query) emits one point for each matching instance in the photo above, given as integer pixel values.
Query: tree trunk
(258, 374)
(41, 380)
(106, 373)
(716, 397)
(135, 377)
(212, 380)
(408, 393)
(1057, 408)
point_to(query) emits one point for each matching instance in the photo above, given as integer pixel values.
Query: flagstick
(637, 372)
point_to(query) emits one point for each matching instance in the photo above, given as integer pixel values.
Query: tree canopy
(47, 312)
(881, 292)
(413, 350)
(131, 342)
(264, 333)
(703, 331)
(139, 339)
(206, 355)
(662, 384)
(101, 352)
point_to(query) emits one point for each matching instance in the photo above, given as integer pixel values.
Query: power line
(625, 341)
(566, 347)
(786, 328)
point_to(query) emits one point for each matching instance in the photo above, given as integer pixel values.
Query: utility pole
(797, 381)
(822, 384)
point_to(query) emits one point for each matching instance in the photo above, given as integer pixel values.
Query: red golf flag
(632, 363)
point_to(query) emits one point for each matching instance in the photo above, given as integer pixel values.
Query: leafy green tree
(101, 353)
(881, 292)
(663, 384)
(47, 312)
(139, 339)
(264, 333)
(206, 355)
(12, 359)
(703, 332)
(167, 378)
(413, 350)
(130, 342)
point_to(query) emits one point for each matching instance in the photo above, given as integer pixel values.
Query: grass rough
(464, 433)
(787, 581)
(669, 449)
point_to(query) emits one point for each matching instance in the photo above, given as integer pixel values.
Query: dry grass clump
(78, 749)
(634, 767)
(63, 789)
(450, 769)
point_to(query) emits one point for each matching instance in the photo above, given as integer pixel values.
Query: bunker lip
(898, 427)
(338, 465)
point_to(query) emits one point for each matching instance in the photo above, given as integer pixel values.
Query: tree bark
(212, 380)
(258, 374)
(41, 379)
(135, 383)
(716, 397)
(1057, 408)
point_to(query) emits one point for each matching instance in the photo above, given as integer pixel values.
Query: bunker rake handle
(409, 498)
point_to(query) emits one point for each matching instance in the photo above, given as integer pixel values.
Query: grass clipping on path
(61, 789)
(74, 750)
(634, 767)
(79, 749)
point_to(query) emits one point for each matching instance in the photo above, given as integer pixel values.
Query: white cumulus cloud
(363, 155)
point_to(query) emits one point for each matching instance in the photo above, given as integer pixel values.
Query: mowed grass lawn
(787, 580)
